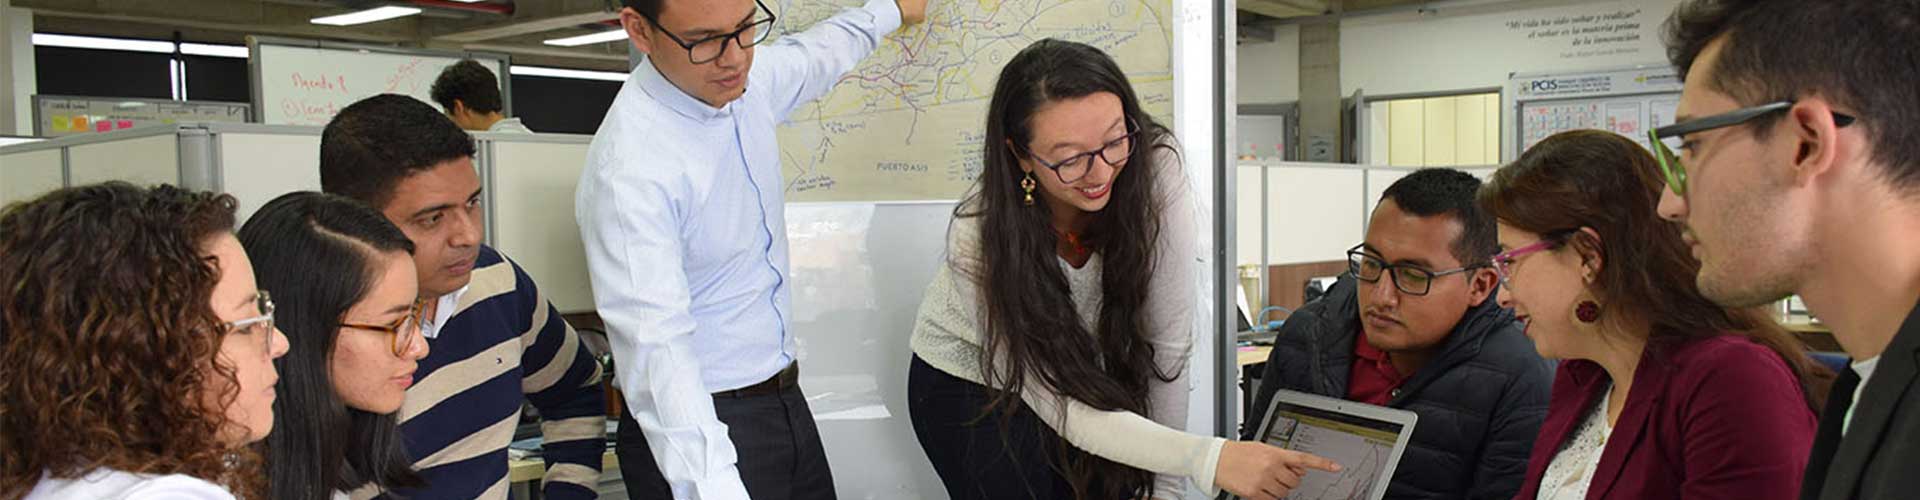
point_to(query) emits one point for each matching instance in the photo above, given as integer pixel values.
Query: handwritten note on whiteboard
(308, 84)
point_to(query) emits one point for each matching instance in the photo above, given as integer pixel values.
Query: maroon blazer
(1713, 418)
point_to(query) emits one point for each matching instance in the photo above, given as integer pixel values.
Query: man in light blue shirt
(681, 208)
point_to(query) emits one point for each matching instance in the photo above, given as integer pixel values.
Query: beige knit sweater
(947, 336)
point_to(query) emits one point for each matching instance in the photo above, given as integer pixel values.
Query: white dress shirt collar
(666, 93)
(442, 313)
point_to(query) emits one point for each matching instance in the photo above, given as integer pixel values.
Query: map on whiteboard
(907, 123)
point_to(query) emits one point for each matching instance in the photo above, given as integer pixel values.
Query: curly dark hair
(109, 340)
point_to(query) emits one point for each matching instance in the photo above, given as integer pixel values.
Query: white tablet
(1366, 441)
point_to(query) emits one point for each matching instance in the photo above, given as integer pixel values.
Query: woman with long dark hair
(1050, 353)
(1662, 394)
(137, 351)
(348, 301)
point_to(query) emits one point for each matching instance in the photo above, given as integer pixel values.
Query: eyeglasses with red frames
(1503, 261)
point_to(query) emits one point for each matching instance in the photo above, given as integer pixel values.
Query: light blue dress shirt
(681, 208)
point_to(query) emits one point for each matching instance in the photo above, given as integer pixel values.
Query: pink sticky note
(125, 124)
(102, 126)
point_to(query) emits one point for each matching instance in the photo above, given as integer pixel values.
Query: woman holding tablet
(1663, 394)
(1050, 354)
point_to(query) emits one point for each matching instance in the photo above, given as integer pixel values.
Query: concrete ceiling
(1287, 9)
(1257, 17)
(516, 27)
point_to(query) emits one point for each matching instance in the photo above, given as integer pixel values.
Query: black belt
(787, 378)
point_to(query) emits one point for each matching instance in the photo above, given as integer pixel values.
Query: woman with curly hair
(138, 352)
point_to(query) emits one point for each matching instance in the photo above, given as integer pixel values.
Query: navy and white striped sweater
(504, 344)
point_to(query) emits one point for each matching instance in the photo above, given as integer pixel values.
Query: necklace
(1077, 249)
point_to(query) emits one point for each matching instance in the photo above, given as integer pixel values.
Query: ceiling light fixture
(601, 37)
(366, 16)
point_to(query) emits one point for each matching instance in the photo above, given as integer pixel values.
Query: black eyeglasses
(1670, 166)
(707, 49)
(1411, 279)
(1073, 168)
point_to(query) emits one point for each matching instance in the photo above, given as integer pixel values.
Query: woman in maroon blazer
(1662, 394)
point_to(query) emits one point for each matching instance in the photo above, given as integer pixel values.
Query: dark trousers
(980, 458)
(774, 437)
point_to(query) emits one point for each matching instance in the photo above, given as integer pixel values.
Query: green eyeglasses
(1676, 174)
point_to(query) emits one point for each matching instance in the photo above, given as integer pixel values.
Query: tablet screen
(1362, 446)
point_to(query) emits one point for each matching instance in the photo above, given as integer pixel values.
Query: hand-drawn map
(907, 123)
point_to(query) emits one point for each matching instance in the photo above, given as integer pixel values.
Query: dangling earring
(1026, 184)
(1588, 311)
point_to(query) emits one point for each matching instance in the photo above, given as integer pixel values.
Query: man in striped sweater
(495, 341)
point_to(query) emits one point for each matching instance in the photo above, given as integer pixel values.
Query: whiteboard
(302, 82)
(59, 116)
(1262, 136)
(1626, 101)
(859, 272)
(1630, 116)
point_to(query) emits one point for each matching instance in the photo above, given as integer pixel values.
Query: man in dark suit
(1801, 174)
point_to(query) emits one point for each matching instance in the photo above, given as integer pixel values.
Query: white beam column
(17, 82)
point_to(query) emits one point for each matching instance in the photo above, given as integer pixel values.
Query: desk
(1249, 356)
(532, 469)
(1817, 336)
(1253, 355)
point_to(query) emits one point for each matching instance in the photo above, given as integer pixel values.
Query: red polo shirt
(1373, 378)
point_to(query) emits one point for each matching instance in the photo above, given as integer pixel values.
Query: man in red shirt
(1413, 325)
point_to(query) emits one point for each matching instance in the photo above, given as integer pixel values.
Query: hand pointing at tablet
(1258, 471)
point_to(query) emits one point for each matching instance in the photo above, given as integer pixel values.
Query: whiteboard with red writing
(305, 82)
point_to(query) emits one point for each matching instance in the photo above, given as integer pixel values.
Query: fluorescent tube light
(601, 37)
(366, 16)
(91, 42)
(567, 73)
(201, 49)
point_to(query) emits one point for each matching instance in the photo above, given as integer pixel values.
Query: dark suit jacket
(1880, 456)
(1712, 418)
